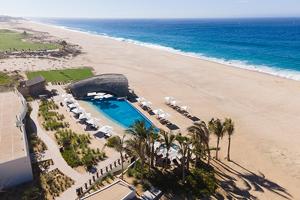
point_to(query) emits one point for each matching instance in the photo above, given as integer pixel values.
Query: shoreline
(264, 108)
(264, 69)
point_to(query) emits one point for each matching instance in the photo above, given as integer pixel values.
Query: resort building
(15, 165)
(116, 84)
(33, 87)
(118, 190)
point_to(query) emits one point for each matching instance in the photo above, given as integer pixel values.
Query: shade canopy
(72, 105)
(107, 96)
(77, 110)
(164, 115)
(173, 103)
(158, 111)
(90, 94)
(140, 99)
(184, 108)
(169, 99)
(69, 100)
(92, 121)
(146, 103)
(99, 97)
(84, 116)
(107, 130)
(101, 93)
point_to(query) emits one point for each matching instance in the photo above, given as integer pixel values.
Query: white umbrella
(168, 99)
(91, 94)
(92, 122)
(158, 111)
(69, 100)
(184, 108)
(146, 103)
(140, 99)
(164, 115)
(100, 93)
(107, 130)
(108, 96)
(173, 103)
(84, 116)
(99, 97)
(72, 105)
(77, 110)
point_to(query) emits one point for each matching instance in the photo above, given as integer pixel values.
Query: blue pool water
(120, 111)
(270, 45)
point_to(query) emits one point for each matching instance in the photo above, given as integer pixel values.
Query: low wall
(100, 174)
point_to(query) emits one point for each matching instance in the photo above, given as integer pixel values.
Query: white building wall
(15, 172)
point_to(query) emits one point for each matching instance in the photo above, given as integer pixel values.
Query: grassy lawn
(4, 79)
(65, 75)
(12, 41)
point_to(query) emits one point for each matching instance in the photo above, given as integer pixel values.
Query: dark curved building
(116, 84)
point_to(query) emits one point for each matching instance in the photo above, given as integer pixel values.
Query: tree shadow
(251, 182)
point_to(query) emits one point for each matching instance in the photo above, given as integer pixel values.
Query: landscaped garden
(74, 147)
(15, 41)
(62, 76)
(52, 120)
(9, 80)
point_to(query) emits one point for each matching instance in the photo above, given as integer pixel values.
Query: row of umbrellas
(158, 112)
(99, 95)
(143, 102)
(175, 103)
(74, 107)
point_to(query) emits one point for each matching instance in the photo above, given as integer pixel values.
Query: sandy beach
(265, 108)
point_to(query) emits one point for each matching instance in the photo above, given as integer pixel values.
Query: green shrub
(146, 185)
(71, 157)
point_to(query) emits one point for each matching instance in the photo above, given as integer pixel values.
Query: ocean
(267, 45)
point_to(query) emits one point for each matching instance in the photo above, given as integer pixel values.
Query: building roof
(116, 84)
(12, 143)
(117, 190)
(36, 80)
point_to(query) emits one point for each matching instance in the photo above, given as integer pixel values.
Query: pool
(120, 111)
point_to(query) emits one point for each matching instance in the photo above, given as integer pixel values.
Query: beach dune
(265, 108)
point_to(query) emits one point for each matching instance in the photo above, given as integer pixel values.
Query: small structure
(116, 84)
(33, 87)
(117, 190)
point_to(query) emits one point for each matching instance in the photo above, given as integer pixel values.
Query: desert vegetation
(74, 146)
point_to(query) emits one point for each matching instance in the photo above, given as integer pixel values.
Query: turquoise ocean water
(267, 45)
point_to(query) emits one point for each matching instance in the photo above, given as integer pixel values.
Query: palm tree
(119, 145)
(138, 143)
(153, 136)
(167, 140)
(229, 127)
(200, 140)
(218, 128)
(184, 144)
